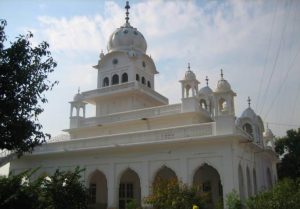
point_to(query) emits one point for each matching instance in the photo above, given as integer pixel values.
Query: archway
(164, 174)
(208, 180)
(249, 185)
(241, 183)
(98, 190)
(129, 188)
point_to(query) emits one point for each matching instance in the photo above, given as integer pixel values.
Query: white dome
(268, 134)
(77, 97)
(189, 75)
(127, 38)
(223, 86)
(249, 113)
(205, 91)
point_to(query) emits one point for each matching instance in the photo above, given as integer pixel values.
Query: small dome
(223, 86)
(189, 75)
(268, 134)
(249, 113)
(127, 38)
(77, 97)
(205, 91)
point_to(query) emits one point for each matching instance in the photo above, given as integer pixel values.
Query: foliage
(285, 194)
(172, 194)
(23, 83)
(132, 204)
(62, 190)
(233, 201)
(289, 147)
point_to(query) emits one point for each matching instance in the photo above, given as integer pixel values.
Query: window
(92, 192)
(125, 194)
(149, 84)
(144, 64)
(143, 80)
(115, 61)
(105, 82)
(248, 128)
(124, 78)
(115, 79)
(223, 105)
(137, 77)
(203, 104)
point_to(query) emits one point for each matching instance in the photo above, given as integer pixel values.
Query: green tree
(284, 195)
(289, 148)
(171, 194)
(24, 71)
(61, 190)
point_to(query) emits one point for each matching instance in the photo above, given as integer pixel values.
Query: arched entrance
(164, 174)
(98, 190)
(129, 188)
(208, 180)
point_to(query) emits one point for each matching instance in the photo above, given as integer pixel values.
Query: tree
(171, 194)
(61, 190)
(24, 71)
(289, 148)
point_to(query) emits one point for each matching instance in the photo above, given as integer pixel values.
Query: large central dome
(127, 38)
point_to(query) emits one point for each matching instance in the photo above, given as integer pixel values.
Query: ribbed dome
(189, 75)
(268, 134)
(205, 91)
(77, 97)
(127, 38)
(249, 113)
(223, 86)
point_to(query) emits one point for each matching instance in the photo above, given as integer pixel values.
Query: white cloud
(231, 34)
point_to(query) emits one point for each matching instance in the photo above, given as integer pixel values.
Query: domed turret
(223, 85)
(127, 38)
(78, 97)
(206, 90)
(189, 75)
(268, 134)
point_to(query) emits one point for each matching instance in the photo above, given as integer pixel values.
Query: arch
(223, 105)
(164, 173)
(98, 190)
(124, 77)
(207, 178)
(149, 84)
(105, 82)
(203, 104)
(137, 77)
(269, 178)
(248, 128)
(241, 183)
(129, 188)
(143, 80)
(249, 185)
(254, 181)
(115, 79)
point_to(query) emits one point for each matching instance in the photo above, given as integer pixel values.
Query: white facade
(137, 136)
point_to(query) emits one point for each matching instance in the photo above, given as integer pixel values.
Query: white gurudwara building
(136, 136)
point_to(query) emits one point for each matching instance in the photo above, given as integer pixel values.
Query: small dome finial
(222, 74)
(249, 101)
(78, 89)
(127, 7)
(189, 67)
(206, 81)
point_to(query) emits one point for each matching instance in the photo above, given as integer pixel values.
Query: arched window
(149, 84)
(203, 104)
(223, 105)
(124, 77)
(137, 77)
(143, 80)
(115, 79)
(105, 82)
(248, 128)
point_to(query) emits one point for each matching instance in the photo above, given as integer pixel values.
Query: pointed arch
(105, 82)
(115, 79)
(207, 178)
(203, 104)
(124, 77)
(98, 190)
(129, 188)
(164, 173)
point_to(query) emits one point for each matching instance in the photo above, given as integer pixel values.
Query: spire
(249, 101)
(206, 81)
(222, 74)
(189, 67)
(79, 90)
(127, 7)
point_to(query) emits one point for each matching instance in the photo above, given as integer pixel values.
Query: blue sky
(257, 43)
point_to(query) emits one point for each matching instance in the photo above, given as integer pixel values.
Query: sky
(256, 43)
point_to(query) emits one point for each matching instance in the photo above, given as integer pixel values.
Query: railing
(136, 138)
(132, 115)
